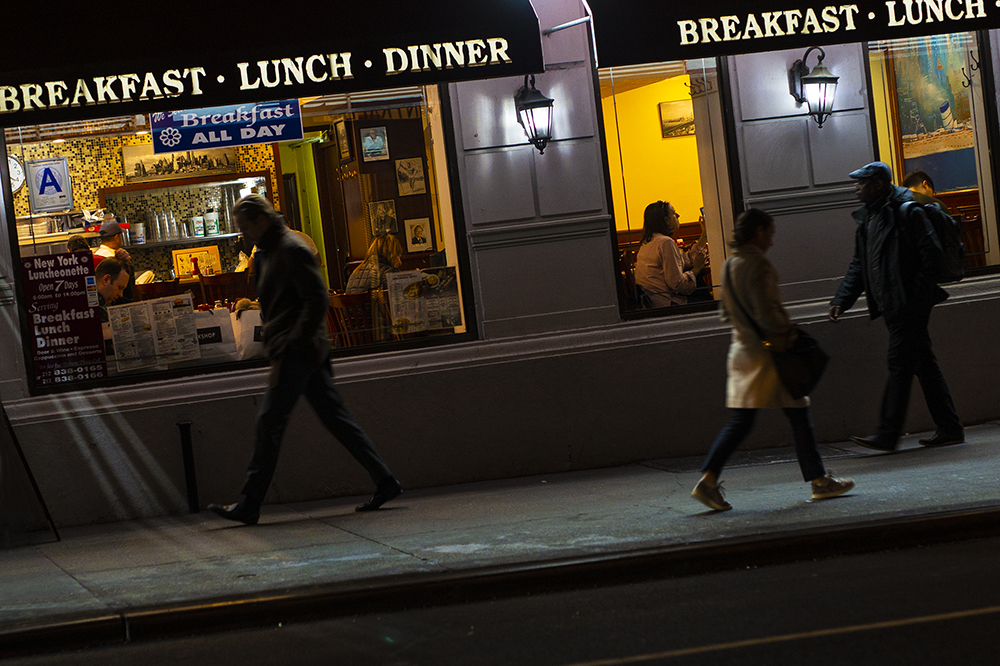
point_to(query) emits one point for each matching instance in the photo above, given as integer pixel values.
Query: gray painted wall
(796, 170)
(538, 224)
(485, 410)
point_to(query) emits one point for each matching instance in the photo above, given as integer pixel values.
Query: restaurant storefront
(548, 361)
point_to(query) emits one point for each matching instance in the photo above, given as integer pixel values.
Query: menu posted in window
(61, 297)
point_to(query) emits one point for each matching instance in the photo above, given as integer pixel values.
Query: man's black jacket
(293, 297)
(909, 254)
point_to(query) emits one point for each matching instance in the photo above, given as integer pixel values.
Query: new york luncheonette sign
(678, 31)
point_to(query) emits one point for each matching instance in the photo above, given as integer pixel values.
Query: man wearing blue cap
(894, 260)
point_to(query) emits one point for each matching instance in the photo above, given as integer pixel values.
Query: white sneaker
(711, 496)
(829, 486)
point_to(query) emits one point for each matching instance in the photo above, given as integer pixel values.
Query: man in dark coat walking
(294, 301)
(894, 257)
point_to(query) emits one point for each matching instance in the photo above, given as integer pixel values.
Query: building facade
(553, 365)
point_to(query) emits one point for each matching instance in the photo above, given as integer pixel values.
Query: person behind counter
(666, 274)
(77, 243)
(112, 278)
(111, 246)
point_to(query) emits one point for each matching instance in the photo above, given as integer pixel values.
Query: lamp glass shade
(534, 114)
(819, 87)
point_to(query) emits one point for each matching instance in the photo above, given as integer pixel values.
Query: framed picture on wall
(418, 235)
(383, 217)
(143, 166)
(677, 118)
(410, 176)
(374, 146)
(340, 128)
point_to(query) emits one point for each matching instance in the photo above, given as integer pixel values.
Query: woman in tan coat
(750, 286)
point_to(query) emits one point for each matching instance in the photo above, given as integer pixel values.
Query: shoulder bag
(799, 367)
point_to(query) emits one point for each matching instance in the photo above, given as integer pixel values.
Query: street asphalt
(146, 579)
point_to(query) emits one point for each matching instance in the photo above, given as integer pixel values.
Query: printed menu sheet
(424, 300)
(155, 332)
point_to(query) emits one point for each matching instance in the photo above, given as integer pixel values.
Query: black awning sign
(293, 75)
(630, 32)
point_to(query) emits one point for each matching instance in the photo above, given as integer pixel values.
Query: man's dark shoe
(944, 439)
(235, 512)
(876, 442)
(386, 491)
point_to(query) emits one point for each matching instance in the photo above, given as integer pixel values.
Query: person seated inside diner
(666, 274)
(112, 279)
(384, 256)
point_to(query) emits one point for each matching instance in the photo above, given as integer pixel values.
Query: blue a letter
(48, 179)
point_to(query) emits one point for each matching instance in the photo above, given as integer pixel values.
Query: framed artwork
(383, 217)
(932, 119)
(374, 146)
(676, 118)
(340, 127)
(142, 165)
(208, 260)
(418, 235)
(410, 176)
(50, 187)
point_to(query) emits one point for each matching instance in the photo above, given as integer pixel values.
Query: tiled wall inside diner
(97, 162)
(184, 203)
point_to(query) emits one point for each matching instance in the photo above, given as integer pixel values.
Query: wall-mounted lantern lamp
(534, 113)
(816, 88)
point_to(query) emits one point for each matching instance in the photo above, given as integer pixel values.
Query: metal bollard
(187, 453)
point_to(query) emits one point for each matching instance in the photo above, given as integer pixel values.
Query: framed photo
(932, 119)
(383, 217)
(374, 146)
(50, 187)
(208, 258)
(142, 165)
(418, 235)
(410, 176)
(340, 127)
(677, 118)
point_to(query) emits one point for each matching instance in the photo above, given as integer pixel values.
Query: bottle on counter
(211, 223)
(194, 266)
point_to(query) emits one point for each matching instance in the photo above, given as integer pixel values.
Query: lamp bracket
(800, 69)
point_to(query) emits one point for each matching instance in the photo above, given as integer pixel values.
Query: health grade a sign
(221, 126)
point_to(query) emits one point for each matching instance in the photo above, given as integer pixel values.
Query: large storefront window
(366, 184)
(931, 119)
(661, 139)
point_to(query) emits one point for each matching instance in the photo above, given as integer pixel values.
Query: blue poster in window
(219, 126)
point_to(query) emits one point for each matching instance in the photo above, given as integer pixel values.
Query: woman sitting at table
(666, 274)
(384, 256)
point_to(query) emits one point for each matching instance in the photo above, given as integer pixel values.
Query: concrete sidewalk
(99, 582)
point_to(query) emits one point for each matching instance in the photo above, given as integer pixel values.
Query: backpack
(948, 239)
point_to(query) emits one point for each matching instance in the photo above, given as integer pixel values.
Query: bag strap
(753, 322)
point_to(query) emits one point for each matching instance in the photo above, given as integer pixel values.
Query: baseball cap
(110, 228)
(878, 169)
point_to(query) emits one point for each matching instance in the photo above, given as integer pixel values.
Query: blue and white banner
(220, 126)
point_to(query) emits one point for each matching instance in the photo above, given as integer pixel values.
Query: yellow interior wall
(300, 162)
(881, 109)
(655, 168)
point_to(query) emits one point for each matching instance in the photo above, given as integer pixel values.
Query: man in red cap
(111, 246)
